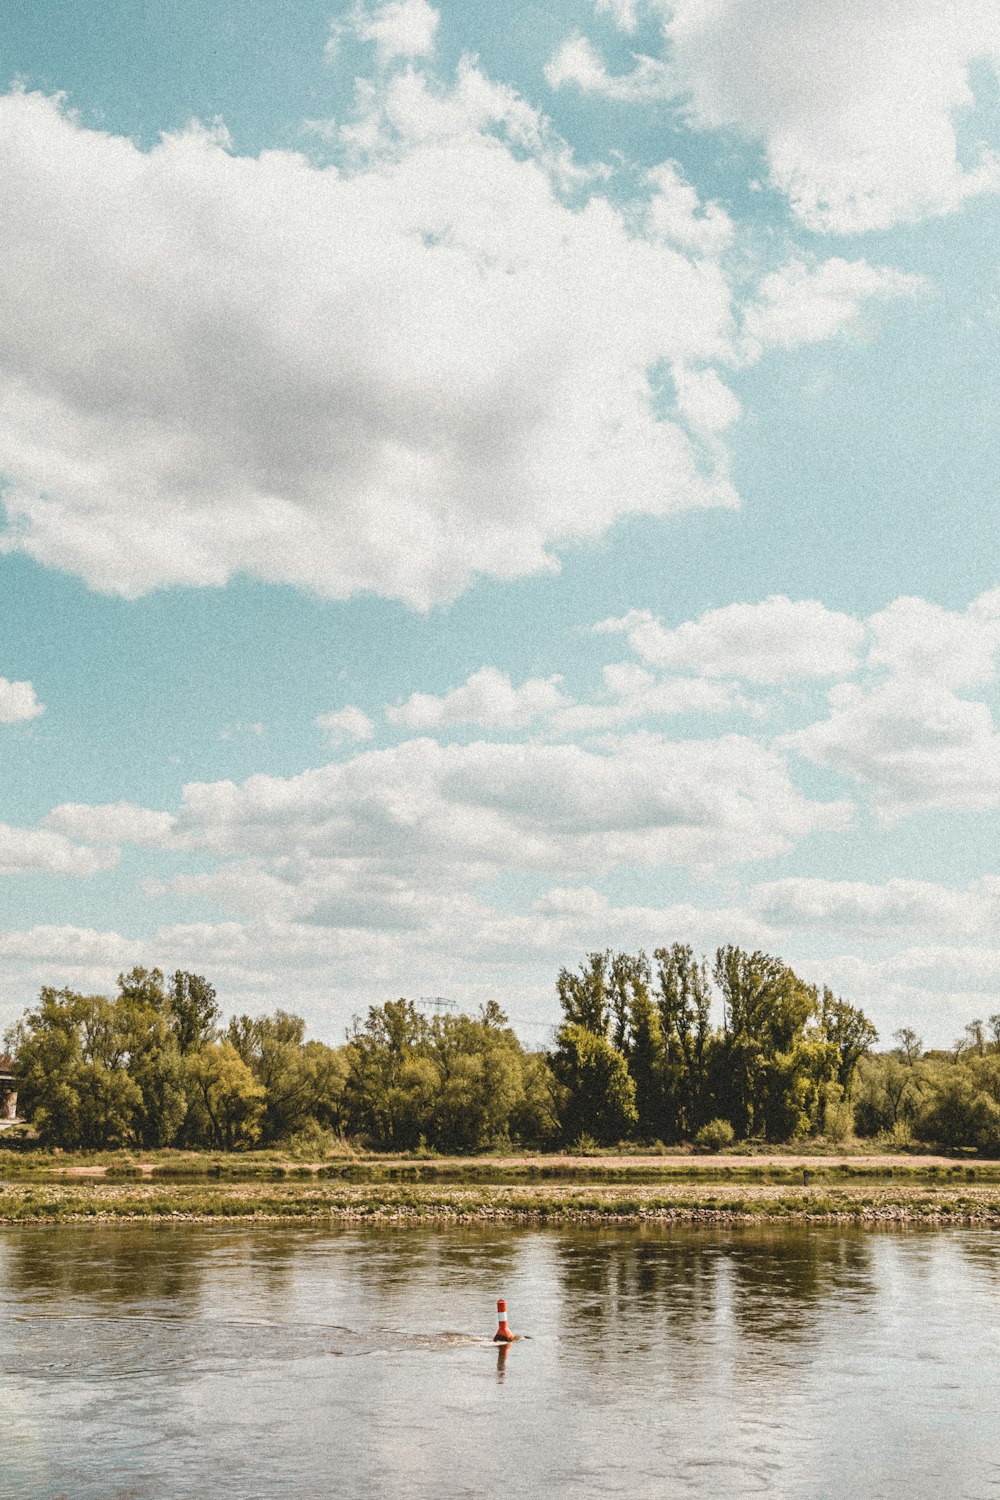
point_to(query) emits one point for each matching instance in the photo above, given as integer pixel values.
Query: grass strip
(329, 1202)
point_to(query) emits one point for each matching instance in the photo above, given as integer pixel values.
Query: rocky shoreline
(102, 1202)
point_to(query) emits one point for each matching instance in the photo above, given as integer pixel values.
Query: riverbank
(770, 1166)
(710, 1202)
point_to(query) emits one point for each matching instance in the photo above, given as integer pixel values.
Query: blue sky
(482, 486)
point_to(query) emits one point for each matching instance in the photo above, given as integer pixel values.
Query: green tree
(194, 1011)
(225, 1101)
(768, 1063)
(585, 997)
(684, 1003)
(888, 1093)
(71, 1052)
(600, 1095)
(850, 1031)
(302, 1080)
(387, 1085)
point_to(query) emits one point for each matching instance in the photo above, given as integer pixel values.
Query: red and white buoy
(503, 1334)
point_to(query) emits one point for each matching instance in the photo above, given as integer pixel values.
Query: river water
(176, 1361)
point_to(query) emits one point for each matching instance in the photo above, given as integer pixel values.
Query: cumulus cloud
(624, 13)
(381, 838)
(865, 909)
(487, 699)
(676, 214)
(401, 28)
(111, 823)
(778, 640)
(577, 63)
(936, 988)
(917, 638)
(348, 725)
(33, 851)
(802, 304)
(636, 694)
(705, 401)
(389, 375)
(471, 951)
(18, 703)
(914, 742)
(854, 100)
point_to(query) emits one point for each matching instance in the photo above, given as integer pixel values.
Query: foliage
(649, 1050)
(451, 1083)
(600, 1094)
(781, 1066)
(150, 1068)
(716, 1135)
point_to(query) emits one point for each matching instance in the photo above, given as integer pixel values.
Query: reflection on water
(182, 1361)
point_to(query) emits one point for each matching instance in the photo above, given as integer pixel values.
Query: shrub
(585, 1145)
(715, 1136)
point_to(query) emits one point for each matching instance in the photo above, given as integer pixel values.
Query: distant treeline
(636, 1058)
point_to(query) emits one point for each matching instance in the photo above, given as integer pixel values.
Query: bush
(715, 1136)
(313, 1142)
(585, 1145)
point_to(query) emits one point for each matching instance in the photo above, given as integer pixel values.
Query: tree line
(637, 1057)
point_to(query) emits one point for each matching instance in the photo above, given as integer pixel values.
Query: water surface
(173, 1361)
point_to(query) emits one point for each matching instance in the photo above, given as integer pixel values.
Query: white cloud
(778, 640)
(934, 989)
(18, 702)
(704, 401)
(346, 725)
(638, 694)
(917, 745)
(578, 64)
(624, 13)
(578, 919)
(390, 833)
(111, 823)
(487, 698)
(802, 304)
(676, 214)
(915, 638)
(470, 951)
(31, 851)
(389, 376)
(401, 28)
(853, 100)
(865, 910)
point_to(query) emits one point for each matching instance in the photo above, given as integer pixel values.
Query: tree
(378, 1089)
(850, 1031)
(768, 1062)
(144, 987)
(302, 1080)
(584, 997)
(888, 1093)
(684, 1004)
(646, 1061)
(194, 1012)
(153, 1063)
(910, 1045)
(71, 1052)
(600, 1095)
(225, 1099)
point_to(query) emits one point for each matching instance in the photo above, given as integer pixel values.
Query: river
(161, 1362)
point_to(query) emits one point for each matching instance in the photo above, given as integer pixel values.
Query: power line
(438, 1002)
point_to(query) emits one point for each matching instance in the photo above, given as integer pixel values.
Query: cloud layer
(855, 101)
(387, 377)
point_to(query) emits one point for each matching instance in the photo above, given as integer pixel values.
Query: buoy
(503, 1334)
